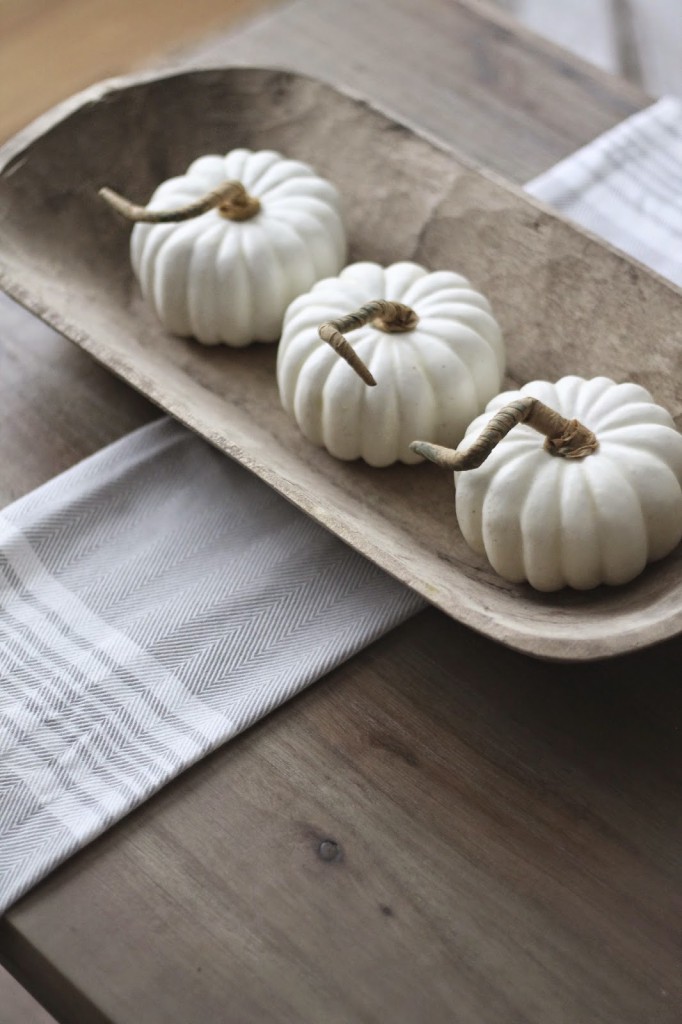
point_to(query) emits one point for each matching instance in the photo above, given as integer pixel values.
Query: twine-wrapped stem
(393, 317)
(231, 199)
(569, 439)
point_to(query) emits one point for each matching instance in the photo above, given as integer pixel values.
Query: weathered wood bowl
(566, 302)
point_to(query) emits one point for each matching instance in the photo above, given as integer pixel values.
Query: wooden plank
(464, 72)
(57, 406)
(441, 830)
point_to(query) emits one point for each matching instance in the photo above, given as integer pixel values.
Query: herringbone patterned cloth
(157, 599)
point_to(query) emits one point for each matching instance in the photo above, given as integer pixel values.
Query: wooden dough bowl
(567, 304)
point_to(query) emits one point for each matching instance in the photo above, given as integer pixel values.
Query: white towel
(627, 187)
(157, 598)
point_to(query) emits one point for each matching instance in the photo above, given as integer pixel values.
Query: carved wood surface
(566, 304)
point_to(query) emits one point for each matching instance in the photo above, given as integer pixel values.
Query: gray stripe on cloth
(157, 599)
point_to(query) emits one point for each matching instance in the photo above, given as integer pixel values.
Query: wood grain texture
(566, 304)
(496, 843)
(57, 407)
(552, 794)
(461, 71)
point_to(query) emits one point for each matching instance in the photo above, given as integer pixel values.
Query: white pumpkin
(231, 242)
(595, 514)
(434, 371)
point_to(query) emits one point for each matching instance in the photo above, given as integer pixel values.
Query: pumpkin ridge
(520, 472)
(641, 485)
(606, 533)
(395, 356)
(476, 336)
(417, 344)
(232, 285)
(451, 309)
(235, 163)
(399, 279)
(422, 290)
(482, 393)
(153, 284)
(479, 320)
(640, 445)
(312, 206)
(547, 394)
(293, 257)
(256, 168)
(387, 400)
(188, 192)
(618, 395)
(641, 413)
(568, 390)
(366, 339)
(143, 249)
(436, 403)
(302, 242)
(208, 169)
(253, 249)
(589, 395)
(308, 317)
(175, 248)
(454, 369)
(311, 392)
(201, 301)
(510, 458)
(567, 557)
(355, 292)
(266, 285)
(458, 297)
(407, 368)
(185, 234)
(368, 277)
(545, 491)
(465, 296)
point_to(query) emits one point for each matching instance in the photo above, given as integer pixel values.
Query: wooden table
(441, 830)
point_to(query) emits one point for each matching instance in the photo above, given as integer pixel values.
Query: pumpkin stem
(231, 199)
(566, 438)
(387, 316)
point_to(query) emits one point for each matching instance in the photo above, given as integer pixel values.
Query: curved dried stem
(231, 199)
(393, 317)
(569, 439)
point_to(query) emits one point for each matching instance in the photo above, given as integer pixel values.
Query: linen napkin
(157, 598)
(627, 187)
